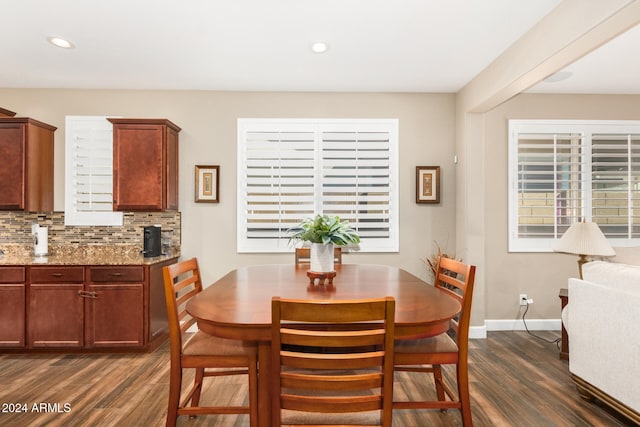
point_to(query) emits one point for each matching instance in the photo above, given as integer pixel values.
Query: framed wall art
(427, 184)
(207, 184)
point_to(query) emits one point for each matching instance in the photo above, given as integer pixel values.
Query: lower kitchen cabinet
(12, 307)
(82, 308)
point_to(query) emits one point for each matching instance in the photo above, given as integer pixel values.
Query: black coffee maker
(152, 241)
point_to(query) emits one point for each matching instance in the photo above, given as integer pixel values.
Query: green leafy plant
(325, 229)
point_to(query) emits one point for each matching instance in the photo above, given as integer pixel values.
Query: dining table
(238, 305)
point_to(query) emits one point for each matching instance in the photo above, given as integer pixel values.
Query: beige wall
(540, 276)
(208, 122)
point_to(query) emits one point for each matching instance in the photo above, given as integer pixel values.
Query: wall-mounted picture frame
(427, 184)
(207, 184)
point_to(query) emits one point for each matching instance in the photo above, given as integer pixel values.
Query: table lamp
(584, 239)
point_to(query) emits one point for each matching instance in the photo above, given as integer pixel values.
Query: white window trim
(72, 216)
(517, 244)
(389, 244)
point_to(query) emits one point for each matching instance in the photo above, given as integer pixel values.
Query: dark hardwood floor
(516, 380)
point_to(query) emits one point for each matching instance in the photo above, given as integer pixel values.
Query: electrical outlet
(523, 299)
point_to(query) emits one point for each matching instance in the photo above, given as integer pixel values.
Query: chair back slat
(331, 361)
(186, 324)
(183, 298)
(332, 338)
(311, 382)
(332, 311)
(328, 405)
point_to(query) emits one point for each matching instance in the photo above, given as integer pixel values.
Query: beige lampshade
(584, 238)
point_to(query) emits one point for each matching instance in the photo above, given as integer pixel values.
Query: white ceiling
(263, 45)
(613, 68)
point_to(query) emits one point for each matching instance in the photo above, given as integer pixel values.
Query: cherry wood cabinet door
(12, 307)
(12, 176)
(26, 175)
(116, 309)
(145, 164)
(115, 316)
(56, 307)
(56, 313)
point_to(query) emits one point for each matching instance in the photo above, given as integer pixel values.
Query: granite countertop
(81, 255)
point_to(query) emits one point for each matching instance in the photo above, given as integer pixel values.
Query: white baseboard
(480, 332)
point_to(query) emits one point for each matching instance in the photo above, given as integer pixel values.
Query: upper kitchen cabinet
(26, 175)
(145, 164)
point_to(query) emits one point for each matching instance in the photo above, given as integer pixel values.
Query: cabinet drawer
(11, 274)
(116, 274)
(56, 274)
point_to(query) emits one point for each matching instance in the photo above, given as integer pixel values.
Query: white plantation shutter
(615, 171)
(561, 172)
(356, 185)
(89, 172)
(289, 170)
(549, 183)
(279, 182)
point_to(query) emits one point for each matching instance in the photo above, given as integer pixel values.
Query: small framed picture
(207, 184)
(427, 184)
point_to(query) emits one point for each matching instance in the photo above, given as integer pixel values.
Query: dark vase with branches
(432, 260)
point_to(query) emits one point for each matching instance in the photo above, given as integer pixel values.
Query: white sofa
(603, 323)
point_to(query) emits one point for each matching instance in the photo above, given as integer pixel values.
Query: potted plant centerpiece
(323, 232)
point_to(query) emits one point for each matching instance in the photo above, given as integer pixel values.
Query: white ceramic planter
(321, 258)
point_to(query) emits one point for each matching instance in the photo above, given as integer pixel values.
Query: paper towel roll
(41, 244)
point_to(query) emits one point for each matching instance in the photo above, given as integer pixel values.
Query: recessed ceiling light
(319, 47)
(60, 42)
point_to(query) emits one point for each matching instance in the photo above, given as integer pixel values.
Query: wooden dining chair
(303, 255)
(450, 348)
(341, 365)
(201, 351)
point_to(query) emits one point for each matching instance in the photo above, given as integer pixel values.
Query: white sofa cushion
(619, 276)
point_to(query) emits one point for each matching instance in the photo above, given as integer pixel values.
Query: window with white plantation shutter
(289, 170)
(89, 172)
(615, 172)
(561, 172)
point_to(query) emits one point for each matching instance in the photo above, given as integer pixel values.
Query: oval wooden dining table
(238, 305)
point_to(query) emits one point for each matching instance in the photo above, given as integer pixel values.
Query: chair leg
(463, 393)
(175, 384)
(253, 391)
(197, 384)
(437, 378)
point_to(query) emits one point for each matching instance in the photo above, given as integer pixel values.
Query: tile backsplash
(15, 228)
